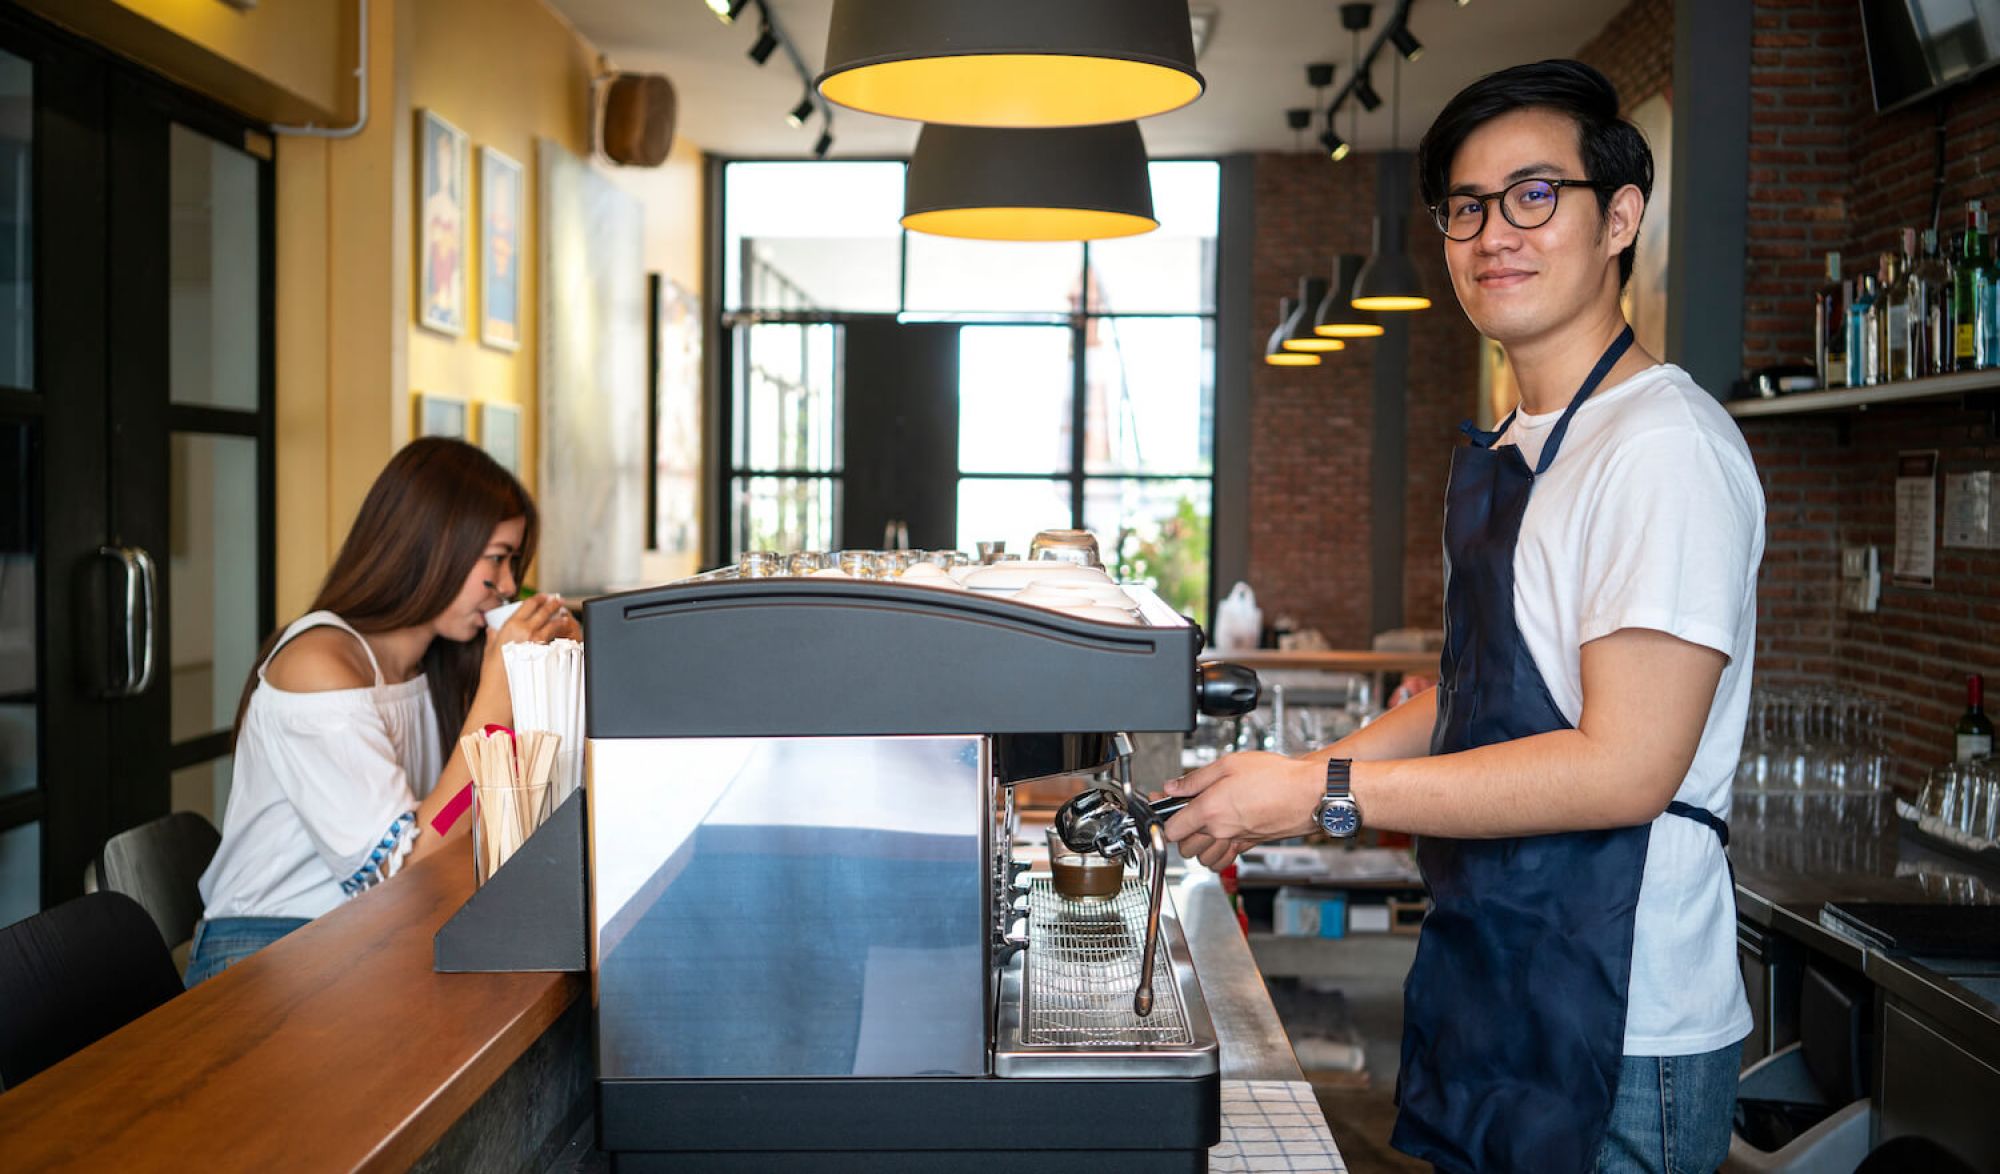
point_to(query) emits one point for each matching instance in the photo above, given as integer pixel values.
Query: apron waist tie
(1702, 815)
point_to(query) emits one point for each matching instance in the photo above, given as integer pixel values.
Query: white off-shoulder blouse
(322, 805)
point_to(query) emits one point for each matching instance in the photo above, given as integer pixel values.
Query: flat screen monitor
(1917, 47)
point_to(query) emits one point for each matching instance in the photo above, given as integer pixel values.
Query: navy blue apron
(1514, 1012)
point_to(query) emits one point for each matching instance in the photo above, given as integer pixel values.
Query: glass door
(135, 450)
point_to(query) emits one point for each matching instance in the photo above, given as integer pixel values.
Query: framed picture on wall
(440, 415)
(441, 213)
(500, 434)
(500, 199)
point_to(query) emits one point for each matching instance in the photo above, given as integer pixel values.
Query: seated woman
(347, 734)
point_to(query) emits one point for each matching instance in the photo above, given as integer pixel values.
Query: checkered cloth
(1273, 1126)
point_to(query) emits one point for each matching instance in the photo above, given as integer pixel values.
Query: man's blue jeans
(1672, 1114)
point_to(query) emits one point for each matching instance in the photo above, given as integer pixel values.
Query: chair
(158, 864)
(1804, 1109)
(74, 974)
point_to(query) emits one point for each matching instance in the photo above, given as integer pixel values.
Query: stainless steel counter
(1784, 877)
(1254, 1044)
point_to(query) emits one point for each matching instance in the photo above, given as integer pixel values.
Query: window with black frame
(1086, 380)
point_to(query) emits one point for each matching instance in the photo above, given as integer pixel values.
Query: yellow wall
(506, 72)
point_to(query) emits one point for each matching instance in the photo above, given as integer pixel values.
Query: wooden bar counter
(337, 1048)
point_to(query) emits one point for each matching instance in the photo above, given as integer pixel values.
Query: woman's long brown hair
(426, 521)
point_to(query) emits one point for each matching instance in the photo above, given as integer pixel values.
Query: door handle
(142, 598)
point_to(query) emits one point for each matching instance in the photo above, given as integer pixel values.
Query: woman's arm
(540, 619)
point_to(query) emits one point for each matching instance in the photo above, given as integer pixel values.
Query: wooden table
(336, 1048)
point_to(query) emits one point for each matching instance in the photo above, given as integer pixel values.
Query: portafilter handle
(1222, 689)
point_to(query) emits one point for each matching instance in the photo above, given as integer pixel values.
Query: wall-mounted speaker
(637, 128)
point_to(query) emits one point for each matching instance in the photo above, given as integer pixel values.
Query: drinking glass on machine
(858, 563)
(804, 563)
(759, 564)
(1083, 876)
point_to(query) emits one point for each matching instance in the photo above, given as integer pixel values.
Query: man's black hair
(1614, 152)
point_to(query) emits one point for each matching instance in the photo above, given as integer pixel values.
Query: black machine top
(802, 657)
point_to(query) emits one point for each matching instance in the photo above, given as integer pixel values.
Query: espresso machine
(812, 945)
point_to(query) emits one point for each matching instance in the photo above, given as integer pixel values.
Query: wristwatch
(1338, 815)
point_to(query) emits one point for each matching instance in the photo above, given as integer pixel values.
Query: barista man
(1575, 1003)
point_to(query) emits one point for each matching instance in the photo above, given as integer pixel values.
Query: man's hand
(1241, 800)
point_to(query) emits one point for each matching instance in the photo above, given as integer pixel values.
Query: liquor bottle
(1892, 318)
(1986, 308)
(1965, 284)
(1930, 332)
(1830, 327)
(1861, 331)
(1974, 729)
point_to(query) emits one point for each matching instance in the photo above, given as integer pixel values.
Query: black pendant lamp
(1336, 316)
(1299, 334)
(1013, 63)
(1065, 184)
(1274, 350)
(1389, 281)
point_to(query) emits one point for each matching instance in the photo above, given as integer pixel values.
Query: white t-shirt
(323, 796)
(1651, 516)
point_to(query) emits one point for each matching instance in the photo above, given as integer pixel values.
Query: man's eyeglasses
(1526, 203)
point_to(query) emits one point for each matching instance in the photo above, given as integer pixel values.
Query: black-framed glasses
(1526, 203)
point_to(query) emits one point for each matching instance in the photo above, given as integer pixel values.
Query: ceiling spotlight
(824, 145)
(727, 11)
(1364, 92)
(801, 112)
(1407, 45)
(1319, 76)
(1336, 147)
(767, 43)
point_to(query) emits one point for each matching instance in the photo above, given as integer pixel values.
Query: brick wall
(1828, 173)
(1311, 427)
(1627, 51)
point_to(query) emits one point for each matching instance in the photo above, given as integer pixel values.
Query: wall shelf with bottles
(1862, 398)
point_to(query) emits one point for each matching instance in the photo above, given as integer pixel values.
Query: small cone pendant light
(1066, 184)
(1299, 334)
(1274, 350)
(1336, 316)
(1014, 63)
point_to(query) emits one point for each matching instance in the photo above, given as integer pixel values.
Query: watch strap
(1339, 773)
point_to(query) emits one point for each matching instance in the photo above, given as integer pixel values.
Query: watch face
(1340, 817)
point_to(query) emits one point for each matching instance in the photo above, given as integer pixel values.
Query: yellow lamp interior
(1391, 302)
(1315, 345)
(1013, 89)
(1029, 224)
(1349, 330)
(1291, 359)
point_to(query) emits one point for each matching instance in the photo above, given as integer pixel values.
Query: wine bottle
(1965, 282)
(1830, 327)
(1974, 730)
(1986, 308)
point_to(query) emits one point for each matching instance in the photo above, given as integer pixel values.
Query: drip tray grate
(1082, 967)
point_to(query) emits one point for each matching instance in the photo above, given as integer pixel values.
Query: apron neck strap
(1605, 362)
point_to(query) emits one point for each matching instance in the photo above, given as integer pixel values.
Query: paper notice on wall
(1968, 511)
(1916, 519)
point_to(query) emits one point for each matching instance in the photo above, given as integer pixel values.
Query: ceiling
(1254, 62)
